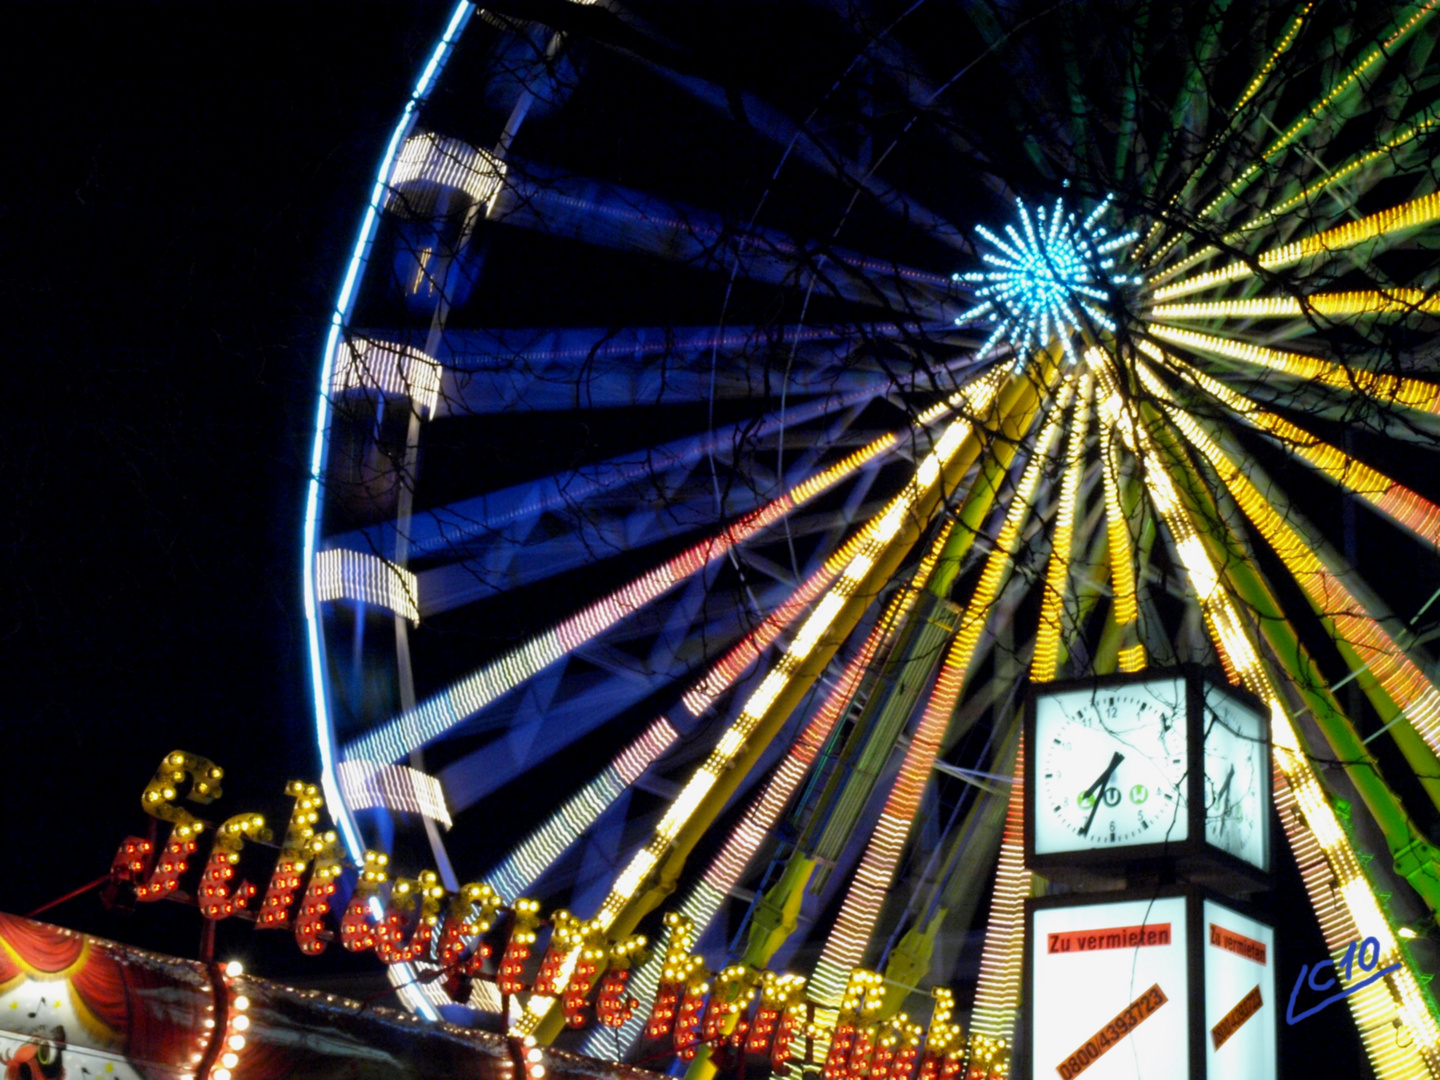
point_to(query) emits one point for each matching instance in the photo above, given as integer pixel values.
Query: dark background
(183, 186)
(181, 192)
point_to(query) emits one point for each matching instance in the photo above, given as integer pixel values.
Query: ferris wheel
(730, 412)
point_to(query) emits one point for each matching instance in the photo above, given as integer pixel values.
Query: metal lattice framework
(728, 413)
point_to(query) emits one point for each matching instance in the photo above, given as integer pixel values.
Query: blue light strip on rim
(324, 731)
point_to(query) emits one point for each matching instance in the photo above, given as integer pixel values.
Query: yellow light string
(1408, 133)
(1352, 625)
(725, 869)
(979, 395)
(1365, 302)
(1408, 215)
(1340, 893)
(727, 866)
(1046, 658)
(549, 841)
(1122, 556)
(1285, 42)
(1390, 388)
(1405, 507)
(849, 937)
(1375, 54)
(713, 887)
(997, 994)
(1166, 500)
(1250, 91)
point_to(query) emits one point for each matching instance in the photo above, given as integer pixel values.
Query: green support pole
(909, 963)
(778, 912)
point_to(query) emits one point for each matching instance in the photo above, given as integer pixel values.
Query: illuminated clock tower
(1148, 800)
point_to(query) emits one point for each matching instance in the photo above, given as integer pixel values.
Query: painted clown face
(42, 1058)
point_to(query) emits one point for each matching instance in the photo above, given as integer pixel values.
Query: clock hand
(1225, 791)
(1097, 790)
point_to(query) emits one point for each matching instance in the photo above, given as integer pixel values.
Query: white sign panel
(1110, 992)
(1240, 1003)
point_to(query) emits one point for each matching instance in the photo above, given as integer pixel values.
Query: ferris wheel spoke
(1331, 106)
(523, 554)
(535, 734)
(1335, 591)
(510, 515)
(1325, 305)
(728, 865)
(1125, 608)
(504, 565)
(855, 923)
(544, 369)
(518, 871)
(950, 893)
(876, 725)
(773, 701)
(1403, 506)
(1376, 387)
(1184, 141)
(441, 712)
(1286, 38)
(820, 155)
(1323, 403)
(605, 215)
(1381, 227)
(1402, 150)
(997, 991)
(548, 841)
(1045, 665)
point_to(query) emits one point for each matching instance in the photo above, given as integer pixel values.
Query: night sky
(182, 186)
(184, 182)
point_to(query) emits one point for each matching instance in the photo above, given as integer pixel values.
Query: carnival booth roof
(72, 1005)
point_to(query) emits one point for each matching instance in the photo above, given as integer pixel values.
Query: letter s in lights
(158, 801)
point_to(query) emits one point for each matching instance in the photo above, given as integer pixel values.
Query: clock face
(1110, 767)
(1237, 779)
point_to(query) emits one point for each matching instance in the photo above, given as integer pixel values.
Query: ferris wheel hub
(1056, 278)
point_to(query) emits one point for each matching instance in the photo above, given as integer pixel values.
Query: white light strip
(396, 787)
(401, 370)
(444, 162)
(341, 574)
(518, 872)
(410, 991)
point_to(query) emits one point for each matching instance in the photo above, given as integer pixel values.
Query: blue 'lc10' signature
(1346, 964)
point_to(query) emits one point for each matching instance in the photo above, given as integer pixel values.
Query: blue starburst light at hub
(1049, 282)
